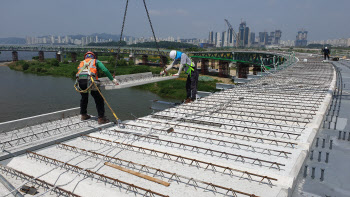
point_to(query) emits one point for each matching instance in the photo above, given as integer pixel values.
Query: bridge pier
(145, 59)
(195, 62)
(212, 65)
(242, 70)
(204, 66)
(163, 61)
(74, 56)
(256, 69)
(41, 56)
(224, 70)
(59, 56)
(131, 57)
(14, 56)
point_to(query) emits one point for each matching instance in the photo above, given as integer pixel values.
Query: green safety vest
(190, 68)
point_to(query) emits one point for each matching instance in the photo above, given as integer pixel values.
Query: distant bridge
(243, 59)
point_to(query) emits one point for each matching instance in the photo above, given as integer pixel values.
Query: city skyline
(191, 21)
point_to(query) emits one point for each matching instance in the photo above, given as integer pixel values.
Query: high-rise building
(244, 35)
(278, 35)
(230, 38)
(252, 38)
(211, 37)
(247, 37)
(218, 39)
(262, 38)
(301, 38)
(271, 38)
(241, 33)
(224, 39)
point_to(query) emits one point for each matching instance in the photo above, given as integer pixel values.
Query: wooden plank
(137, 174)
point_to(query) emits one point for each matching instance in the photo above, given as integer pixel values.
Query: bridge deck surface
(204, 148)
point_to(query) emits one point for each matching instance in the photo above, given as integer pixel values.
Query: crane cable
(121, 36)
(122, 30)
(154, 35)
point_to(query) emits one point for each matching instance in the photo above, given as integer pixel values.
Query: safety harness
(190, 68)
(85, 73)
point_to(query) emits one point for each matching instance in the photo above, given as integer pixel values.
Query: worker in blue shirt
(190, 69)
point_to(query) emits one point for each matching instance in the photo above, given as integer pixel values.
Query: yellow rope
(82, 91)
(115, 116)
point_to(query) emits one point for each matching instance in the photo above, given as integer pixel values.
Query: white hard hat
(326, 47)
(172, 54)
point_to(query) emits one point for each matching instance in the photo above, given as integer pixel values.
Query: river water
(24, 95)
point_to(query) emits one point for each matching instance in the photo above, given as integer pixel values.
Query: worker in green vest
(190, 70)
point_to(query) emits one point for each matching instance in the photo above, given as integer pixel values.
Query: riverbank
(4, 63)
(174, 89)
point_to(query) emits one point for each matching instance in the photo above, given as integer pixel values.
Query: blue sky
(323, 19)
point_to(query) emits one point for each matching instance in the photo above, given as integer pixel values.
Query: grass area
(175, 89)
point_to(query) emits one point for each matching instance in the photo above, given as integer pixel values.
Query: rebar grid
(250, 105)
(31, 134)
(243, 115)
(211, 141)
(94, 175)
(254, 161)
(36, 181)
(156, 172)
(234, 126)
(203, 150)
(218, 132)
(251, 113)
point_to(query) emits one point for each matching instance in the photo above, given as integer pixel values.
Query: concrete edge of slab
(35, 120)
(306, 146)
(51, 141)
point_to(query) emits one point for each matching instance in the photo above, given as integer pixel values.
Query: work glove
(115, 82)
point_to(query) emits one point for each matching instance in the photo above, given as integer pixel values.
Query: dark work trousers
(326, 56)
(191, 84)
(100, 106)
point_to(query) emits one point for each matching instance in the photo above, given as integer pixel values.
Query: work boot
(85, 116)
(188, 100)
(103, 120)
